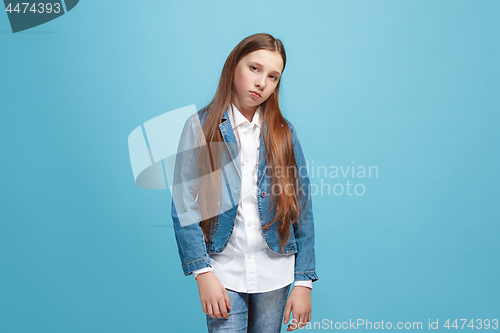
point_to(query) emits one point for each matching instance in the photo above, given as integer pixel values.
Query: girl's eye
(253, 68)
(273, 77)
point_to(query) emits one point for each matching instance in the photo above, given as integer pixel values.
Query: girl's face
(256, 76)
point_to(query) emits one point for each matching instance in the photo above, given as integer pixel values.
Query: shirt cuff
(202, 270)
(308, 284)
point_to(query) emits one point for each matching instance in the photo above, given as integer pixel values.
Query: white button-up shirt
(247, 264)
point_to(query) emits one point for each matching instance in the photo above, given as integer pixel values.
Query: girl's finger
(228, 301)
(303, 320)
(223, 309)
(215, 308)
(288, 309)
(204, 307)
(209, 309)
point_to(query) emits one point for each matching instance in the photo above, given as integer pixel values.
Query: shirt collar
(236, 118)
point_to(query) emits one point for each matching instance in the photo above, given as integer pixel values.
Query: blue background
(411, 87)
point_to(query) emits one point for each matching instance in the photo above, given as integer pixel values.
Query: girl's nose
(261, 82)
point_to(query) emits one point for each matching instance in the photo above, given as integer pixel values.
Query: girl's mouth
(256, 94)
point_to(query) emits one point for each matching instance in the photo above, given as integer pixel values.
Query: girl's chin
(256, 101)
(251, 104)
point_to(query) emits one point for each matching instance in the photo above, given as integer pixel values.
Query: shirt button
(249, 256)
(247, 159)
(245, 192)
(249, 224)
(263, 194)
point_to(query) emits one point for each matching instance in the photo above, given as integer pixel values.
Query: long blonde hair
(277, 141)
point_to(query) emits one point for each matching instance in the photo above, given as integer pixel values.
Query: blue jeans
(255, 313)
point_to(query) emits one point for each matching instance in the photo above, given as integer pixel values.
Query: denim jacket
(193, 250)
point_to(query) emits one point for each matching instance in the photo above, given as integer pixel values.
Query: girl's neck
(248, 112)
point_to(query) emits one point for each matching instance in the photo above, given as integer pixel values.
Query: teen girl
(241, 205)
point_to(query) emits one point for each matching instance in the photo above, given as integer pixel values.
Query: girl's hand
(212, 295)
(300, 302)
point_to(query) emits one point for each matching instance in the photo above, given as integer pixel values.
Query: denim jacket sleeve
(185, 212)
(305, 258)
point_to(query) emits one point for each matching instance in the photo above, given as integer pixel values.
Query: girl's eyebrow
(260, 65)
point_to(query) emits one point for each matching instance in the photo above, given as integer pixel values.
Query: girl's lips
(255, 94)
